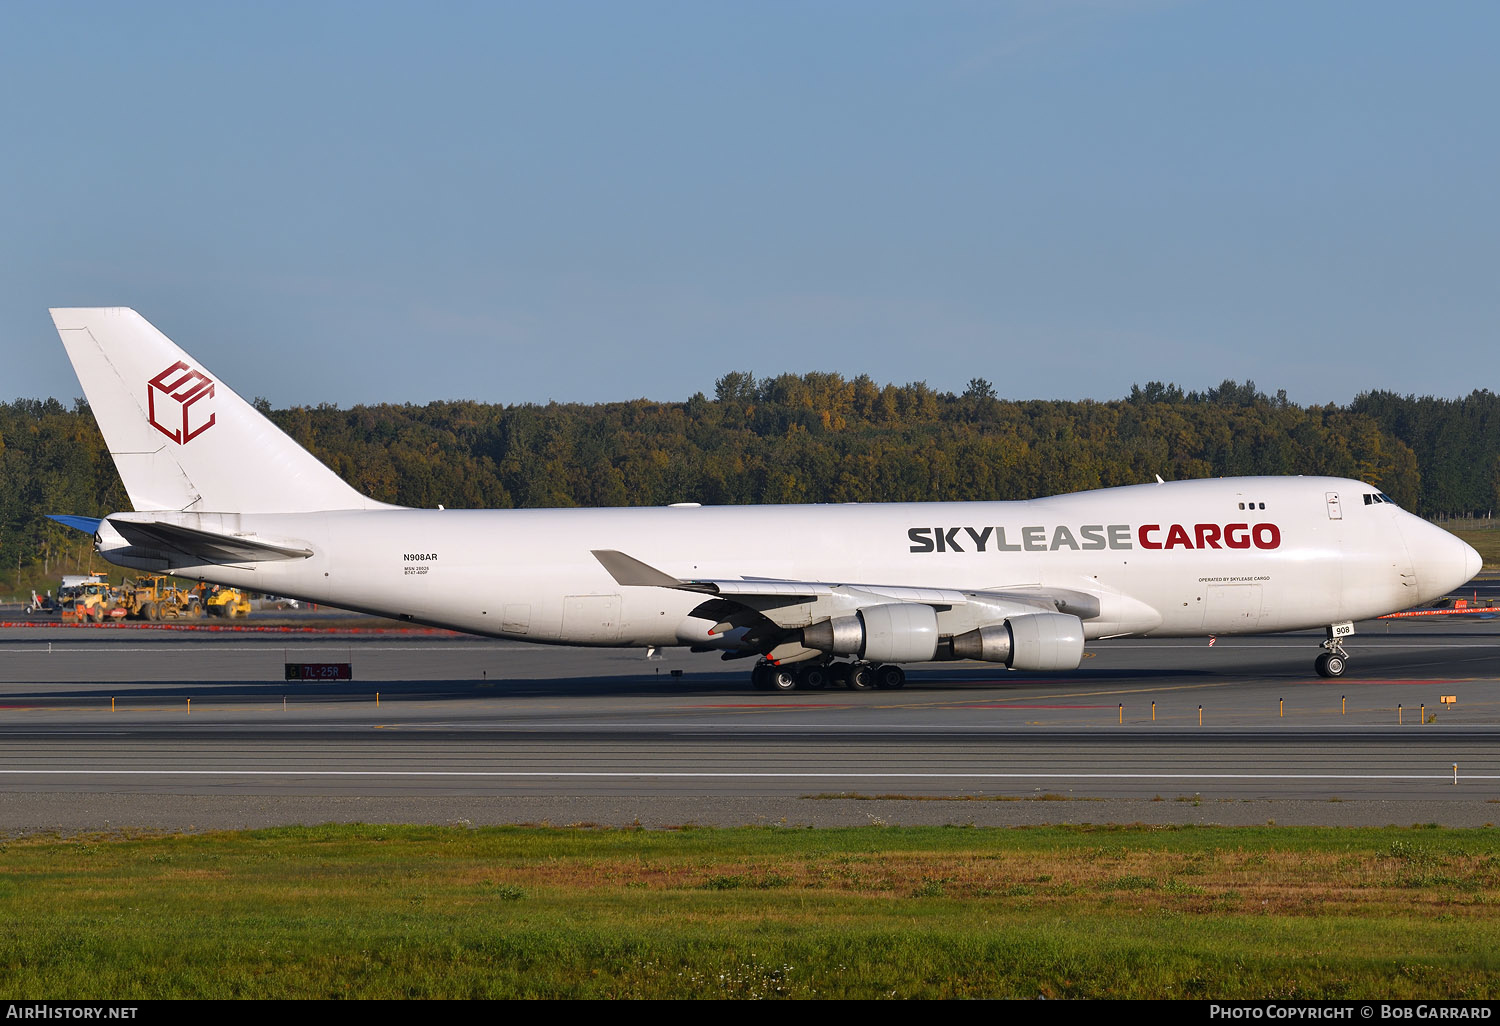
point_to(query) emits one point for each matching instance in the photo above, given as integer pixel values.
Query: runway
(110, 729)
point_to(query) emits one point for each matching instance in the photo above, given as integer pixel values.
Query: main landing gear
(1335, 660)
(816, 676)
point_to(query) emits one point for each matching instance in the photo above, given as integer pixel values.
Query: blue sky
(370, 202)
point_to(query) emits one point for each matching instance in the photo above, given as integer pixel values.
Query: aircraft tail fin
(180, 438)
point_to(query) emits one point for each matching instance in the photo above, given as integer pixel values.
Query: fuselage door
(591, 619)
(1232, 608)
(1335, 511)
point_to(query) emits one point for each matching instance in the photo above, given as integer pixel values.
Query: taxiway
(122, 728)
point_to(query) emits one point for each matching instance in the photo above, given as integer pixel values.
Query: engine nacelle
(897, 632)
(694, 631)
(839, 635)
(1035, 641)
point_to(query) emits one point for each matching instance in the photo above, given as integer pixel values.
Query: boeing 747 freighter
(814, 594)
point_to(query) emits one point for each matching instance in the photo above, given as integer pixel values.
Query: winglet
(629, 571)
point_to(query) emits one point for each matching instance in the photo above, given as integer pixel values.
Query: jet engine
(897, 632)
(1034, 641)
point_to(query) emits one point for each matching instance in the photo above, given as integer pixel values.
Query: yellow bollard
(377, 699)
(1422, 718)
(1153, 712)
(1343, 704)
(1283, 708)
(1455, 773)
(1200, 716)
(190, 706)
(111, 703)
(1398, 714)
(1122, 713)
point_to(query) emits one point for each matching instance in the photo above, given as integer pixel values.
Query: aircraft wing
(773, 617)
(764, 593)
(629, 571)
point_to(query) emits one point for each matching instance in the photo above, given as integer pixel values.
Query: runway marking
(1008, 705)
(778, 705)
(1402, 681)
(1381, 641)
(268, 647)
(33, 646)
(719, 727)
(707, 775)
(948, 703)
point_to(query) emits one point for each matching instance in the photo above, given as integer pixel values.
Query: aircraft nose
(1444, 561)
(1473, 562)
(1459, 561)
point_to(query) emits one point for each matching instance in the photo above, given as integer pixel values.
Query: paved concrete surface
(96, 733)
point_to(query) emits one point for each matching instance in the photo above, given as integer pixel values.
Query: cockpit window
(1372, 499)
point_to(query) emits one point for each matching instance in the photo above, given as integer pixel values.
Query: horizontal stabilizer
(203, 547)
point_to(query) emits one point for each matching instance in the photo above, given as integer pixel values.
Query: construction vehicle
(226, 602)
(154, 597)
(88, 598)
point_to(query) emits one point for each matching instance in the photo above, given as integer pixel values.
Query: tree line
(818, 437)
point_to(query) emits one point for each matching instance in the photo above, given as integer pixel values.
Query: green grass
(390, 912)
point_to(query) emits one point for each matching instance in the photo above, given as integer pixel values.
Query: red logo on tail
(186, 387)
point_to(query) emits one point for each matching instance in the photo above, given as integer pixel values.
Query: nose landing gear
(1330, 664)
(1335, 660)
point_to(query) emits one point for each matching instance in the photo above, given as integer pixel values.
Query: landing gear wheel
(781, 679)
(861, 677)
(1330, 664)
(890, 677)
(814, 678)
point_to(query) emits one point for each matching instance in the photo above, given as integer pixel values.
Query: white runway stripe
(650, 774)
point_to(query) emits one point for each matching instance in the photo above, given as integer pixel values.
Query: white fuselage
(1240, 555)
